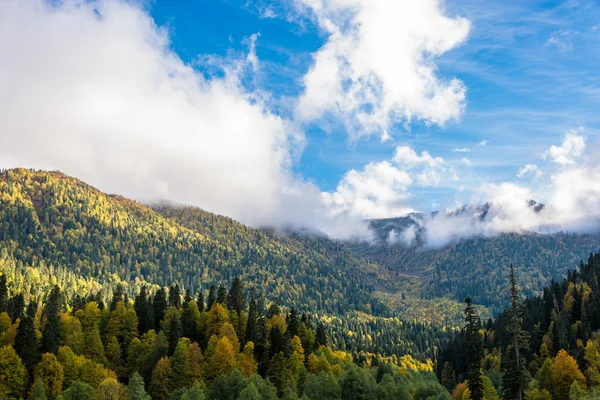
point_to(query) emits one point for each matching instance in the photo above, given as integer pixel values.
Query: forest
(171, 345)
(546, 347)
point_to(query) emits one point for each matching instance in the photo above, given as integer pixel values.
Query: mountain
(57, 229)
(476, 266)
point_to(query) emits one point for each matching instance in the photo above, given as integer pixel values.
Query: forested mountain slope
(476, 266)
(57, 229)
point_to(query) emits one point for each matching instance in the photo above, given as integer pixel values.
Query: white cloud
(561, 39)
(461, 150)
(571, 148)
(377, 66)
(378, 191)
(94, 89)
(483, 143)
(570, 198)
(466, 161)
(529, 169)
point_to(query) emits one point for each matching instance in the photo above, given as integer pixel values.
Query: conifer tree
(236, 300)
(118, 295)
(212, 298)
(516, 376)
(143, 311)
(51, 333)
(26, 341)
(252, 320)
(473, 351)
(321, 335)
(78, 391)
(222, 295)
(292, 323)
(38, 391)
(175, 296)
(3, 294)
(200, 301)
(136, 389)
(16, 306)
(159, 307)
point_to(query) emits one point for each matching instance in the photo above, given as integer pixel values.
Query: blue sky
(531, 69)
(312, 112)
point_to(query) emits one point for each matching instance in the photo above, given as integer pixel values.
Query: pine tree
(143, 311)
(3, 294)
(321, 335)
(516, 376)
(222, 295)
(38, 391)
(236, 300)
(16, 306)
(159, 307)
(473, 351)
(200, 301)
(292, 323)
(212, 297)
(136, 389)
(26, 341)
(78, 391)
(51, 333)
(118, 295)
(252, 320)
(175, 296)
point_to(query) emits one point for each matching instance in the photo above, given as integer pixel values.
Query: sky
(320, 113)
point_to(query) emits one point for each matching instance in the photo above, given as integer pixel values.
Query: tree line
(174, 345)
(543, 348)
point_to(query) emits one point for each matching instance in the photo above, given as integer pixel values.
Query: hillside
(476, 266)
(57, 229)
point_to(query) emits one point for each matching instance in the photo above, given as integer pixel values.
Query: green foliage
(13, 375)
(78, 391)
(136, 389)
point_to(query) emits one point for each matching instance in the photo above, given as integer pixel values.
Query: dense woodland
(55, 229)
(556, 337)
(475, 267)
(169, 345)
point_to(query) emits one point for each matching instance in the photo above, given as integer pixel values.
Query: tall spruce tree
(51, 333)
(236, 300)
(143, 310)
(473, 351)
(175, 296)
(212, 297)
(118, 295)
(321, 335)
(222, 295)
(515, 377)
(200, 301)
(159, 307)
(251, 324)
(26, 341)
(3, 294)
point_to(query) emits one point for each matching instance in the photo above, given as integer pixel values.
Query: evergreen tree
(236, 300)
(38, 391)
(189, 316)
(212, 297)
(78, 391)
(51, 333)
(293, 323)
(222, 295)
(3, 294)
(515, 377)
(16, 306)
(200, 301)
(473, 351)
(159, 306)
(26, 341)
(118, 295)
(143, 310)
(136, 389)
(321, 335)
(252, 320)
(175, 296)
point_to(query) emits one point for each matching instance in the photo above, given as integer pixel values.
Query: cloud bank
(570, 197)
(377, 67)
(94, 89)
